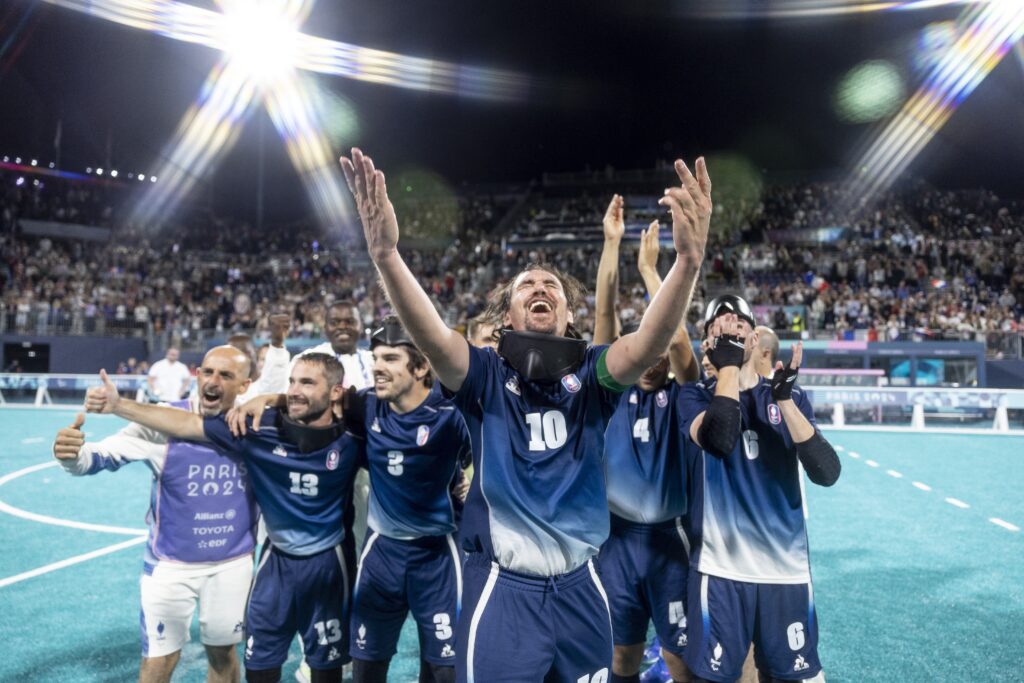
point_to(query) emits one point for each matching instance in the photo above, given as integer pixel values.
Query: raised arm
(606, 292)
(179, 424)
(815, 453)
(690, 205)
(446, 349)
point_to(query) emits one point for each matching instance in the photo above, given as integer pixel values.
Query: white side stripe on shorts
(600, 589)
(344, 571)
(683, 537)
(252, 586)
(366, 551)
(458, 575)
(492, 578)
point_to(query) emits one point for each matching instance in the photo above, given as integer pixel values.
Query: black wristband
(728, 351)
(783, 382)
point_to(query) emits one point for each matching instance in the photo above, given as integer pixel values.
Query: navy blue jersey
(746, 509)
(302, 495)
(413, 459)
(645, 453)
(537, 503)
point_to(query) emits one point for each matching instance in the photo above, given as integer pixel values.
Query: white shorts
(169, 597)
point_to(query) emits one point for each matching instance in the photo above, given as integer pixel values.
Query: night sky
(621, 83)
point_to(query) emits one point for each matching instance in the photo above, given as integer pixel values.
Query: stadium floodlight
(88, 169)
(7, 159)
(17, 160)
(264, 53)
(35, 162)
(113, 174)
(152, 178)
(99, 171)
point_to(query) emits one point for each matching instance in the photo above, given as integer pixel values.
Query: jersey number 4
(304, 484)
(547, 430)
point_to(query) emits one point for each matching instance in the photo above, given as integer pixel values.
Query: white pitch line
(956, 502)
(71, 561)
(33, 439)
(923, 487)
(1004, 524)
(871, 463)
(853, 454)
(55, 521)
(894, 474)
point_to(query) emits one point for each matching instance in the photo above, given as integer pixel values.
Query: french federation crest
(774, 414)
(662, 398)
(333, 458)
(572, 383)
(513, 385)
(422, 434)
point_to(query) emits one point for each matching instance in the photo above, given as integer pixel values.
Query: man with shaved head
(202, 523)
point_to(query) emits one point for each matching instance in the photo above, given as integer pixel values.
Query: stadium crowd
(924, 264)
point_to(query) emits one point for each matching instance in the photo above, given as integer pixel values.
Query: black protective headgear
(540, 357)
(390, 333)
(727, 303)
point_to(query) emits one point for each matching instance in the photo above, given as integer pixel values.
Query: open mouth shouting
(210, 398)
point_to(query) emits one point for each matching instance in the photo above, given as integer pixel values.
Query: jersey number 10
(547, 430)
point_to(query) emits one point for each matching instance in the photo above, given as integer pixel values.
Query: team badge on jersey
(279, 450)
(333, 458)
(513, 385)
(375, 426)
(774, 414)
(422, 434)
(661, 398)
(632, 398)
(572, 383)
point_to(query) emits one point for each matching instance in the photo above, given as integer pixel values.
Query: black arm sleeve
(720, 429)
(819, 460)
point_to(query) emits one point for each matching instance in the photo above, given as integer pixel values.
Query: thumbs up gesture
(70, 440)
(102, 399)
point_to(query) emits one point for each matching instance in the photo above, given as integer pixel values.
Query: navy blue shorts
(304, 595)
(423, 576)
(728, 616)
(524, 629)
(644, 568)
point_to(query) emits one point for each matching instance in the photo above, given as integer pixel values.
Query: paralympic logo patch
(422, 434)
(661, 398)
(572, 383)
(774, 415)
(333, 458)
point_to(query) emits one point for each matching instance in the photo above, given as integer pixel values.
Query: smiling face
(538, 303)
(342, 327)
(223, 375)
(310, 394)
(392, 375)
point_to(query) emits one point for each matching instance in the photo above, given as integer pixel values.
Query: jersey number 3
(547, 430)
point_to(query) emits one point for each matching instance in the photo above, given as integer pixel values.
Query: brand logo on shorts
(661, 398)
(447, 651)
(513, 385)
(716, 659)
(279, 450)
(248, 648)
(682, 640)
(375, 426)
(160, 631)
(572, 383)
(774, 415)
(333, 458)
(361, 640)
(800, 664)
(333, 654)
(422, 434)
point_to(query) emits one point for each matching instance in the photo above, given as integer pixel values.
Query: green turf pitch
(908, 587)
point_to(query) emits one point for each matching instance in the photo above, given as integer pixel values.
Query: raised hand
(102, 399)
(647, 256)
(70, 440)
(614, 219)
(280, 323)
(380, 225)
(690, 205)
(784, 378)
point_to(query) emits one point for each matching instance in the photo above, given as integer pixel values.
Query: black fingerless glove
(783, 382)
(727, 352)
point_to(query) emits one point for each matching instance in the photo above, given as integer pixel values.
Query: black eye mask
(309, 439)
(541, 357)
